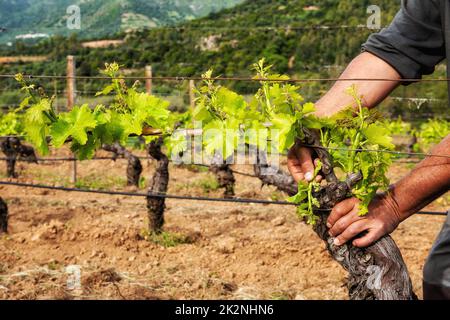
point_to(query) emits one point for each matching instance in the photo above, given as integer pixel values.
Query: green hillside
(99, 18)
(291, 34)
(231, 40)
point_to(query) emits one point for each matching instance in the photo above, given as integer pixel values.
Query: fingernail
(329, 225)
(337, 242)
(309, 176)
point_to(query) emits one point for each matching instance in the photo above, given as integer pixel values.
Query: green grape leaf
(107, 90)
(176, 143)
(86, 151)
(378, 135)
(36, 125)
(308, 108)
(283, 127)
(75, 124)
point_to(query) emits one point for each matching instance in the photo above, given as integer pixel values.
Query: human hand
(345, 224)
(301, 165)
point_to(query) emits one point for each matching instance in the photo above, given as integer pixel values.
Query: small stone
(279, 221)
(21, 240)
(132, 258)
(227, 245)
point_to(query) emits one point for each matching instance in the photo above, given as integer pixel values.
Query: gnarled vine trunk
(224, 176)
(377, 272)
(273, 176)
(14, 150)
(3, 216)
(158, 185)
(134, 167)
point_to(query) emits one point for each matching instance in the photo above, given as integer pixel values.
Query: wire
(230, 78)
(399, 153)
(169, 196)
(116, 158)
(151, 195)
(62, 159)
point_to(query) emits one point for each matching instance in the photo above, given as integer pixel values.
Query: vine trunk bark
(273, 176)
(158, 185)
(224, 176)
(134, 167)
(377, 272)
(14, 150)
(3, 216)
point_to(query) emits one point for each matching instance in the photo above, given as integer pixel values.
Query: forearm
(365, 66)
(428, 181)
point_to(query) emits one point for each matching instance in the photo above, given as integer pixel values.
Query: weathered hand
(345, 224)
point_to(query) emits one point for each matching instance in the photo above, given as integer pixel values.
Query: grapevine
(431, 133)
(132, 113)
(279, 108)
(274, 120)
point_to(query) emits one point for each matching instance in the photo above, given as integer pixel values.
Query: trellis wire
(229, 78)
(67, 159)
(399, 153)
(170, 196)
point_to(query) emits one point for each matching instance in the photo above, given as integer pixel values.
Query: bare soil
(234, 251)
(7, 60)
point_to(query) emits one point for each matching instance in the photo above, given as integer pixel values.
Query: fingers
(300, 164)
(351, 232)
(306, 162)
(368, 239)
(294, 166)
(345, 222)
(340, 210)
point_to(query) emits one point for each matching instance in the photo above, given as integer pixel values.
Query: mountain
(296, 36)
(99, 18)
(303, 38)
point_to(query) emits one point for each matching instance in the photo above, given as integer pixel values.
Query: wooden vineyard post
(71, 87)
(55, 89)
(192, 94)
(148, 79)
(74, 178)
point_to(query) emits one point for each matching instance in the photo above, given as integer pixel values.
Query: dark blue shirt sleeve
(414, 43)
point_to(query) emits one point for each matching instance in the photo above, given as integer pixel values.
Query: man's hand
(300, 164)
(345, 223)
